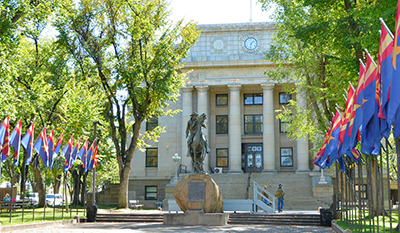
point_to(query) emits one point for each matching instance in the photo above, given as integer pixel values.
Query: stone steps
(298, 188)
(275, 219)
(107, 217)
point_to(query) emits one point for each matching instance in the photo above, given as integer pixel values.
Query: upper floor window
(253, 99)
(284, 98)
(151, 123)
(222, 124)
(221, 100)
(151, 157)
(283, 125)
(253, 124)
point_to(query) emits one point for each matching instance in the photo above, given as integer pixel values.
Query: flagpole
(366, 50)
(386, 27)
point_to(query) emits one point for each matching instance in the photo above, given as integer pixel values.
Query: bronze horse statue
(198, 146)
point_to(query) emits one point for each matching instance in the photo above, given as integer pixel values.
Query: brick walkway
(157, 227)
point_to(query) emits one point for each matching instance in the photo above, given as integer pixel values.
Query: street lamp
(176, 158)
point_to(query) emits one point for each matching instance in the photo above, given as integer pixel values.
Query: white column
(186, 111)
(202, 107)
(302, 143)
(268, 130)
(235, 134)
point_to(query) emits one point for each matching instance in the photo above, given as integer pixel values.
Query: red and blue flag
(4, 139)
(67, 153)
(93, 158)
(50, 142)
(74, 154)
(27, 143)
(83, 155)
(41, 147)
(15, 140)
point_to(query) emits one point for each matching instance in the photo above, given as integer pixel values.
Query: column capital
(267, 86)
(234, 87)
(187, 89)
(201, 88)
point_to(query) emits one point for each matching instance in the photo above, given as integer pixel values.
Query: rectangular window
(253, 99)
(222, 158)
(221, 100)
(151, 123)
(286, 157)
(253, 124)
(151, 192)
(284, 98)
(222, 124)
(151, 157)
(363, 190)
(282, 126)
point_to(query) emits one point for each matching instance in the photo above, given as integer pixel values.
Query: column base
(269, 171)
(302, 171)
(235, 171)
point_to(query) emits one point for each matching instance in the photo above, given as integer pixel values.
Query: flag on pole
(74, 154)
(50, 142)
(333, 139)
(357, 116)
(370, 108)
(89, 156)
(344, 130)
(67, 153)
(58, 145)
(27, 143)
(385, 70)
(83, 154)
(15, 140)
(42, 148)
(93, 158)
(4, 139)
(394, 101)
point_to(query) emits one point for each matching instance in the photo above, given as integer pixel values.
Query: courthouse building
(229, 84)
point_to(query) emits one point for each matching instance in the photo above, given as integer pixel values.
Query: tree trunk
(75, 178)
(123, 187)
(39, 183)
(83, 190)
(57, 184)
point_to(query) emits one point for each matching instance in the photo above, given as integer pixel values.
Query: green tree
(317, 48)
(136, 52)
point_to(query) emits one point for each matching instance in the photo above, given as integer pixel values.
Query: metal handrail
(257, 191)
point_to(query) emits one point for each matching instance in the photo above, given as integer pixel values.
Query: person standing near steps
(280, 193)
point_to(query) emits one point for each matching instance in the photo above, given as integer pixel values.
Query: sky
(218, 11)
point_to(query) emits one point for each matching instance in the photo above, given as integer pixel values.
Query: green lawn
(354, 221)
(38, 215)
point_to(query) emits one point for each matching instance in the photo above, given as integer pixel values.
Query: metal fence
(362, 195)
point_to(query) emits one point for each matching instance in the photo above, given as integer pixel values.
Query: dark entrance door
(253, 154)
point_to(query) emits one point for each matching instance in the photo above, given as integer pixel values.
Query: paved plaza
(159, 227)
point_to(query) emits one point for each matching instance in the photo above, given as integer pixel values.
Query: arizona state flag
(4, 139)
(333, 138)
(370, 107)
(41, 147)
(394, 101)
(385, 70)
(15, 139)
(27, 143)
(67, 153)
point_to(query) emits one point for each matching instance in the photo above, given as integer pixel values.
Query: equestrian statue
(197, 142)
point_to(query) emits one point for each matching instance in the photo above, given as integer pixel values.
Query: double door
(253, 158)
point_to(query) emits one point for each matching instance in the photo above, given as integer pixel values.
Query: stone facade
(227, 62)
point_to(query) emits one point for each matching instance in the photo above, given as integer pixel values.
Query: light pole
(176, 158)
(94, 169)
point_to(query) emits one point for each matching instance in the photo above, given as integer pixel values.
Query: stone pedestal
(196, 218)
(198, 192)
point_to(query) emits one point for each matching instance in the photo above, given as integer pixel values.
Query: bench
(10, 206)
(135, 204)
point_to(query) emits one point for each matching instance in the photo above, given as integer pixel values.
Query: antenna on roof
(251, 12)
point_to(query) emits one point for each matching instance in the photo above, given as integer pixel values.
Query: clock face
(250, 43)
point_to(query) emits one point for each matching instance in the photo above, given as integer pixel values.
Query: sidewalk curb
(37, 225)
(338, 229)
